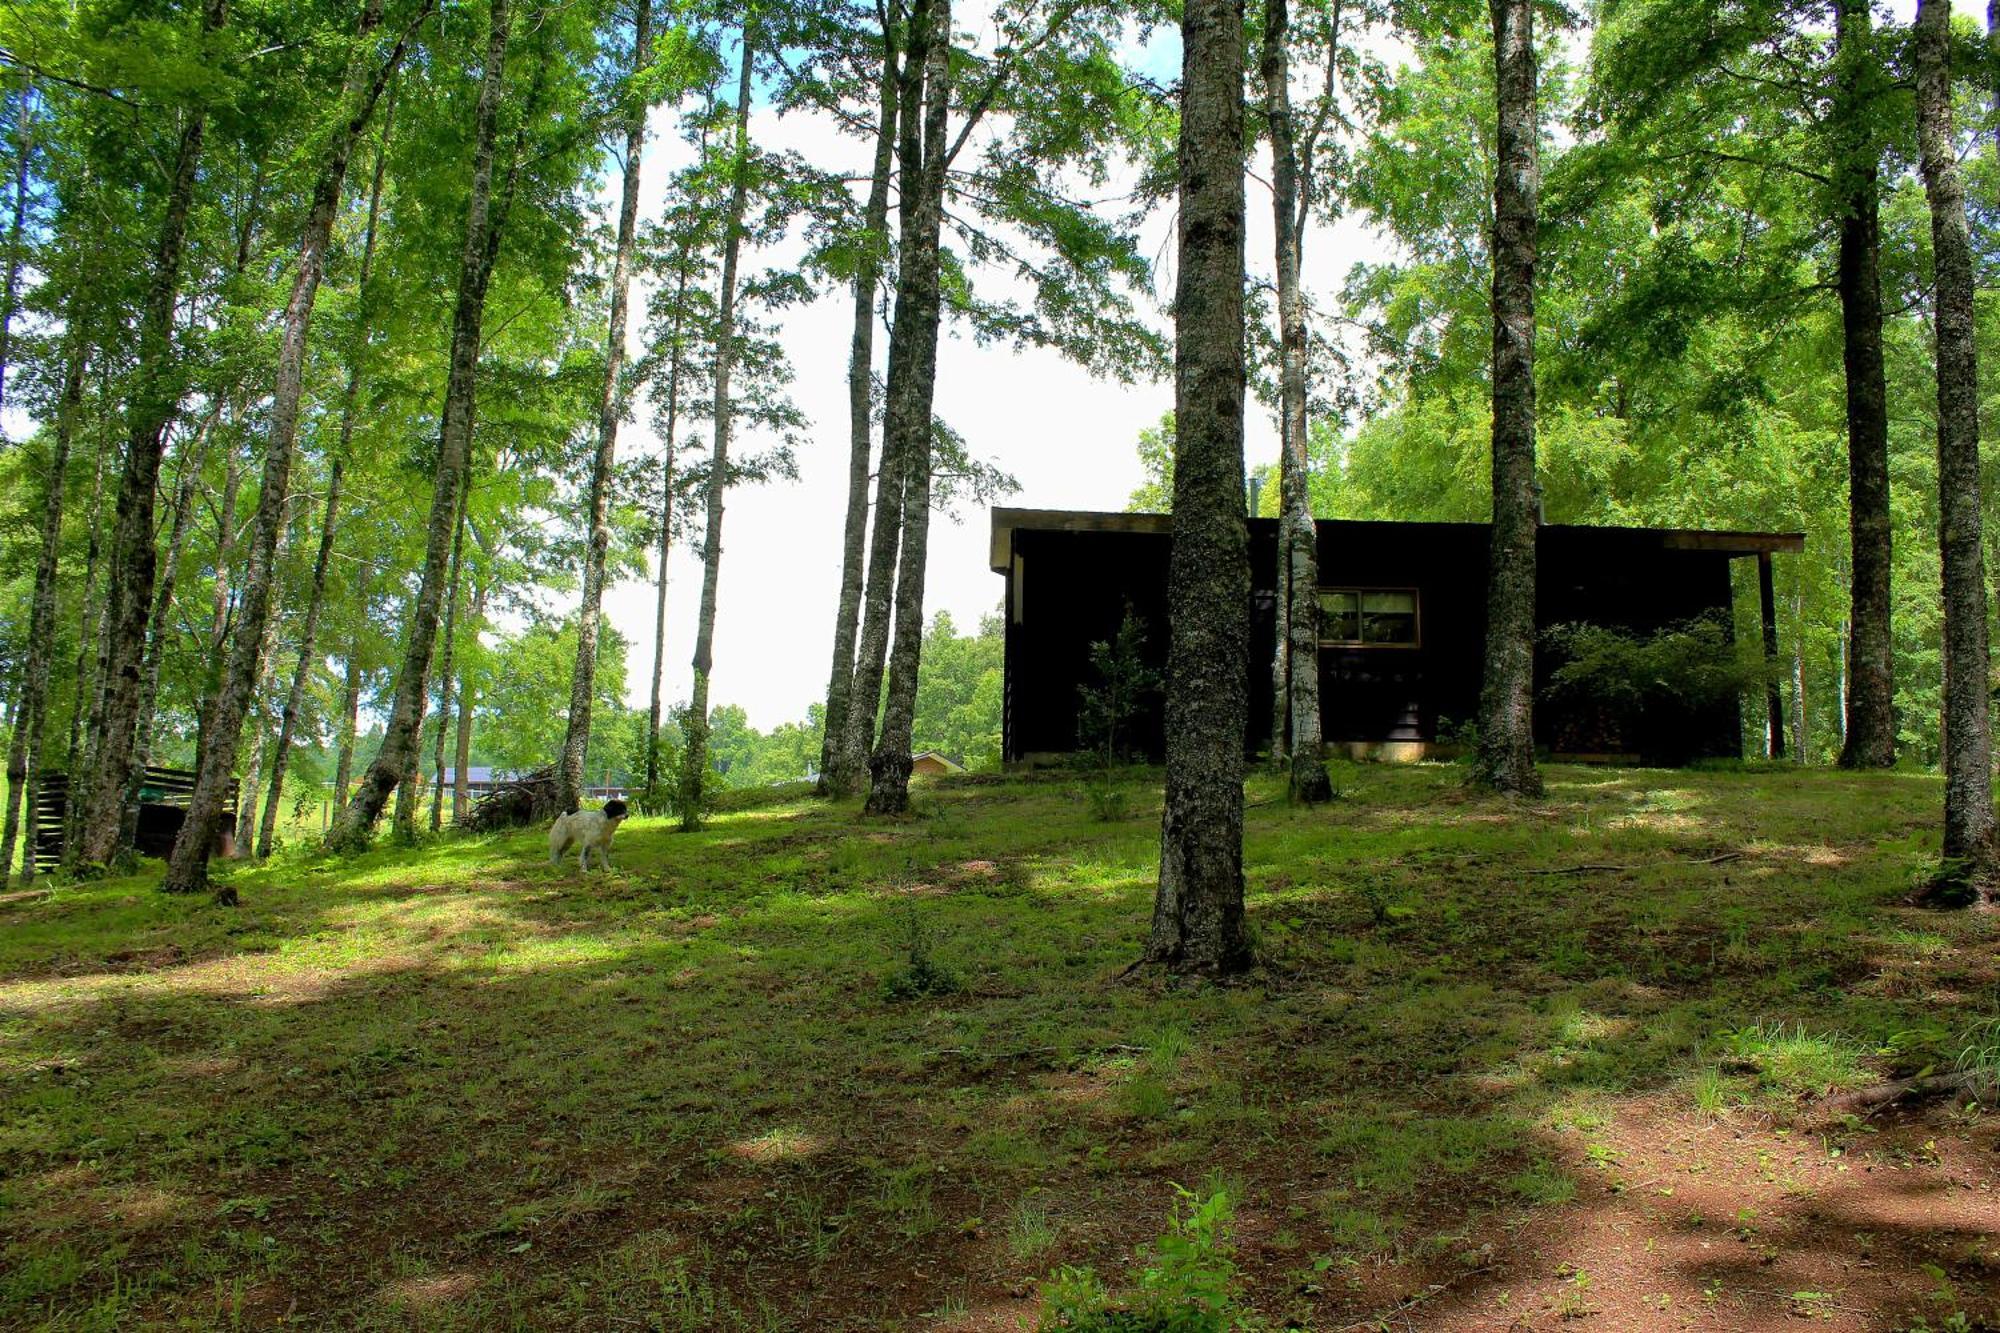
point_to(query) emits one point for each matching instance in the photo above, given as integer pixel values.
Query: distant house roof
(477, 773)
(1005, 520)
(949, 764)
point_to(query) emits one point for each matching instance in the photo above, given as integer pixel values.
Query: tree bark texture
(907, 428)
(134, 559)
(1298, 535)
(461, 784)
(694, 765)
(448, 649)
(84, 683)
(668, 446)
(1198, 923)
(1968, 737)
(833, 779)
(355, 824)
(31, 700)
(329, 522)
(611, 407)
(1506, 755)
(10, 288)
(187, 868)
(1871, 686)
(350, 716)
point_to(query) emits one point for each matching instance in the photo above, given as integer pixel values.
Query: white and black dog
(589, 831)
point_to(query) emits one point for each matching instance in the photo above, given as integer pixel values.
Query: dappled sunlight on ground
(1502, 1065)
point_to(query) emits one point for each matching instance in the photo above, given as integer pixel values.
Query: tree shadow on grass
(519, 1096)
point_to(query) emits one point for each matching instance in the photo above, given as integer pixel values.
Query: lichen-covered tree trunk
(1506, 755)
(669, 438)
(355, 824)
(10, 288)
(1968, 736)
(350, 717)
(1298, 535)
(84, 683)
(187, 868)
(193, 455)
(329, 522)
(31, 701)
(1198, 921)
(610, 407)
(1871, 685)
(694, 765)
(134, 559)
(833, 780)
(907, 427)
(461, 783)
(447, 651)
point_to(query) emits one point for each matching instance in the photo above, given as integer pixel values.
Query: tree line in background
(327, 367)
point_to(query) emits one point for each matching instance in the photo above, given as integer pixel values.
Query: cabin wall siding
(1068, 589)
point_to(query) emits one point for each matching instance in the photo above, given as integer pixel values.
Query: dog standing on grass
(588, 831)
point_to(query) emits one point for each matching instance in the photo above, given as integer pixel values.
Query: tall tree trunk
(1506, 756)
(907, 430)
(860, 432)
(1298, 534)
(24, 747)
(350, 713)
(668, 444)
(392, 763)
(1968, 735)
(864, 700)
(187, 869)
(86, 683)
(10, 287)
(610, 407)
(447, 681)
(225, 542)
(133, 556)
(461, 784)
(695, 763)
(1198, 909)
(194, 453)
(329, 522)
(1871, 687)
(295, 698)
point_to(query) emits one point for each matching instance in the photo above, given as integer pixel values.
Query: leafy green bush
(1187, 1286)
(1652, 690)
(1109, 705)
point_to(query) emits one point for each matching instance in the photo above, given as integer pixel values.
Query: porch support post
(1773, 702)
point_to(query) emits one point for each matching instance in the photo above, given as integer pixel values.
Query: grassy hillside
(804, 1070)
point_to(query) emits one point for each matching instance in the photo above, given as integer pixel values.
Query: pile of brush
(528, 799)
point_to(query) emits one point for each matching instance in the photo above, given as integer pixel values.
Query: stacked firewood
(528, 799)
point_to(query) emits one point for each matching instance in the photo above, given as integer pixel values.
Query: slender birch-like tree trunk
(668, 445)
(694, 764)
(84, 683)
(461, 785)
(1506, 755)
(834, 779)
(24, 747)
(610, 408)
(1968, 734)
(1871, 686)
(1298, 534)
(1198, 921)
(393, 762)
(329, 522)
(350, 717)
(134, 559)
(907, 429)
(187, 868)
(448, 650)
(10, 288)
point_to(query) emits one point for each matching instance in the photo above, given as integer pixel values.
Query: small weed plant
(1187, 1286)
(920, 975)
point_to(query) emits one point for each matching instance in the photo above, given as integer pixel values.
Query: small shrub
(1650, 689)
(1188, 1284)
(1108, 802)
(920, 975)
(1109, 705)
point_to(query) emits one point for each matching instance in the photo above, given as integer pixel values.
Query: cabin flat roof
(1007, 520)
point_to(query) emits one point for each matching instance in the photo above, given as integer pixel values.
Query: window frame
(1416, 639)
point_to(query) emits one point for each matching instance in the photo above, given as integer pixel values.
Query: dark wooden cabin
(1402, 632)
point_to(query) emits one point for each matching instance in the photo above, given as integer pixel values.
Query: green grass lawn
(807, 1070)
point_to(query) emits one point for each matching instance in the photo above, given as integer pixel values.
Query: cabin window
(1368, 617)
